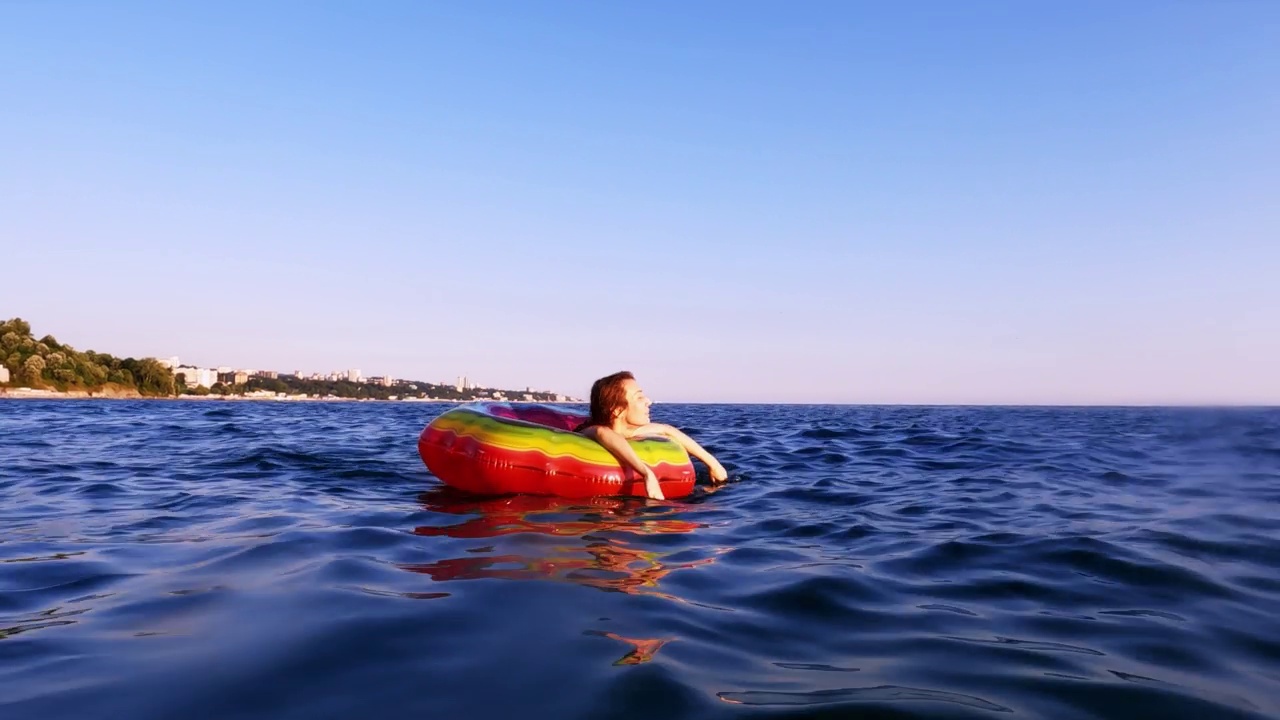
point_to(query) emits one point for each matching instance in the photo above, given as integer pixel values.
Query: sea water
(222, 559)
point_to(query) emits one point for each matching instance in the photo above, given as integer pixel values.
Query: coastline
(42, 394)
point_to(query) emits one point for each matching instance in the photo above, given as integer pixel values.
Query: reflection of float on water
(519, 514)
(610, 567)
(604, 561)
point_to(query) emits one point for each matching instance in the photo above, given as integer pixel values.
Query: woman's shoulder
(650, 430)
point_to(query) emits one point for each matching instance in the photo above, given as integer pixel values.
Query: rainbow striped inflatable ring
(502, 448)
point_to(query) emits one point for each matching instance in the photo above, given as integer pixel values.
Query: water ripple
(887, 694)
(223, 559)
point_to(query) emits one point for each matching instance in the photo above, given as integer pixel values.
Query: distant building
(269, 374)
(4, 374)
(169, 363)
(353, 375)
(197, 377)
(240, 377)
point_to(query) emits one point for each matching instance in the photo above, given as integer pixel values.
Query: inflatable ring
(502, 448)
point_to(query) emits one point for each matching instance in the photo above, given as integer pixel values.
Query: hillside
(47, 363)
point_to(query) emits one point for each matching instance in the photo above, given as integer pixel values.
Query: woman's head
(618, 396)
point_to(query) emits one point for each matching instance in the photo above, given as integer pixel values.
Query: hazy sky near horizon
(930, 202)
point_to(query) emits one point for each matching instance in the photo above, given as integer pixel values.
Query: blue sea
(221, 559)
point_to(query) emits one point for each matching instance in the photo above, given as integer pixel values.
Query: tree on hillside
(32, 370)
(17, 325)
(152, 377)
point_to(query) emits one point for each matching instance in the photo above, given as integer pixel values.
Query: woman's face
(637, 410)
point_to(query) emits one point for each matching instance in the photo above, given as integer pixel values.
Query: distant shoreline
(32, 394)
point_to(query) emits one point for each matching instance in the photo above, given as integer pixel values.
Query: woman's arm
(621, 449)
(693, 448)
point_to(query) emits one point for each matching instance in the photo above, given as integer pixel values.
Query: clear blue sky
(950, 202)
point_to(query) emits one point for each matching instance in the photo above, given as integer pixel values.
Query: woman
(619, 411)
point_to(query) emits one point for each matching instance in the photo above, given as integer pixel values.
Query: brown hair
(607, 397)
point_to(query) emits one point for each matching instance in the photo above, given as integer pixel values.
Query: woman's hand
(651, 486)
(718, 474)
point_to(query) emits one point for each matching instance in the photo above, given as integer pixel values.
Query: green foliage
(153, 379)
(16, 325)
(32, 369)
(47, 362)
